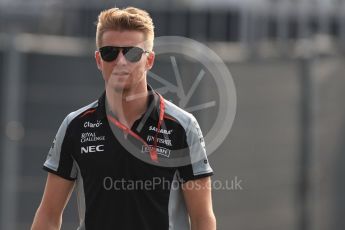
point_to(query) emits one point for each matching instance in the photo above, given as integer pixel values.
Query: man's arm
(56, 195)
(197, 195)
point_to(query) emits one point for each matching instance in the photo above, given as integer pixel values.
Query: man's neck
(127, 106)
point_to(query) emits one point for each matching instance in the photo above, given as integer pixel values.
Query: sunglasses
(131, 53)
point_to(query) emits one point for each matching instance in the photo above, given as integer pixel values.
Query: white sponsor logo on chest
(159, 140)
(88, 124)
(92, 149)
(160, 150)
(90, 137)
(163, 131)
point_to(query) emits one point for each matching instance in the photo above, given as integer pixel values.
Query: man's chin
(119, 88)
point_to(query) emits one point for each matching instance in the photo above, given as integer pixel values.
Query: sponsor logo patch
(167, 142)
(88, 124)
(199, 133)
(90, 137)
(163, 131)
(160, 150)
(92, 149)
(53, 145)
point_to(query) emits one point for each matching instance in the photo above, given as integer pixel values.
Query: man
(117, 149)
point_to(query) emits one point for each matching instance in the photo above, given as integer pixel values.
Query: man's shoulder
(182, 116)
(71, 117)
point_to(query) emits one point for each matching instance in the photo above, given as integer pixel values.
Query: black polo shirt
(118, 185)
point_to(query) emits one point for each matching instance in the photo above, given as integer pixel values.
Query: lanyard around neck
(153, 151)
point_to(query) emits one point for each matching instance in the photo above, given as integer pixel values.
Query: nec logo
(92, 149)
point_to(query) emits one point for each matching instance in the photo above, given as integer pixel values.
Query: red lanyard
(153, 151)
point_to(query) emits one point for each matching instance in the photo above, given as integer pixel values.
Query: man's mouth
(121, 73)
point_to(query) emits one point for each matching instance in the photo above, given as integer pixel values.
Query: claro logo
(92, 125)
(92, 149)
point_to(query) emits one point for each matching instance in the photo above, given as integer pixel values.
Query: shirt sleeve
(199, 165)
(59, 160)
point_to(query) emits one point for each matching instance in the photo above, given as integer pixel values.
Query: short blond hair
(129, 18)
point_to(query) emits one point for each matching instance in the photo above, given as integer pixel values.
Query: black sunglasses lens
(133, 54)
(109, 53)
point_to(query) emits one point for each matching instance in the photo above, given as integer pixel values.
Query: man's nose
(121, 59)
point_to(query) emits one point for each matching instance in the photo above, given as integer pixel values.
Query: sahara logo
(163, 131)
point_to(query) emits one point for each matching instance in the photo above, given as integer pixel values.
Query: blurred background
(286, 144)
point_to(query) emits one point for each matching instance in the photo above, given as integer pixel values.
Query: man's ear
(98, 60)
(150, 60)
